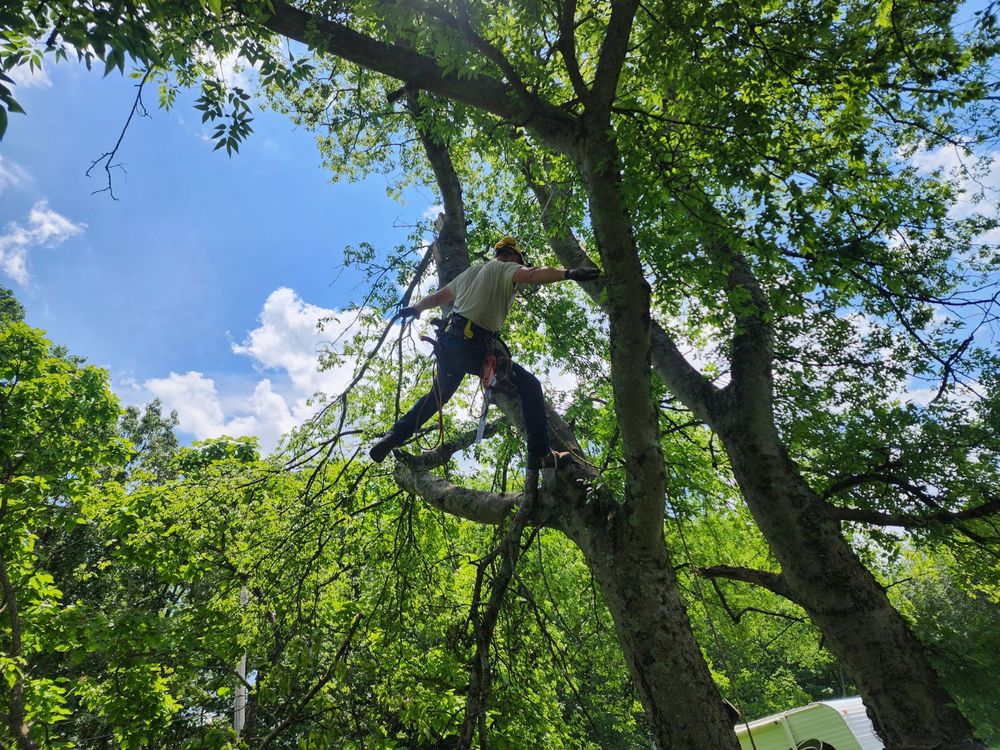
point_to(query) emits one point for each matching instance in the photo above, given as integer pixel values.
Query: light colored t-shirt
(484, 292)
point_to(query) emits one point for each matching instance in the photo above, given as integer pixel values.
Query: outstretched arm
(438, 298)
(525, 275)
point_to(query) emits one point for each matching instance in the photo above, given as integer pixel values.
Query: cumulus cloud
(195, 399)
(45, 228)
(205, 413)
(289, 338)
(288, 341)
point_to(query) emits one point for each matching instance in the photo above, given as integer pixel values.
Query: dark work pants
(460, 357)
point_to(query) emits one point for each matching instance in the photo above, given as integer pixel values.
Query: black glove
(583, 273)
(408, 312)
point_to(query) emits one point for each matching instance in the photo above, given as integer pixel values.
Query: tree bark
(904, 696)
(680, 699)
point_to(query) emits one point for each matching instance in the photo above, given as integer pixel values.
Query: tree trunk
(16, 718)
(903, 693)
(681, 702)
(626, 551)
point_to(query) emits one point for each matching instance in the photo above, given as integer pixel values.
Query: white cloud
(232, 69)
(288, 341)
(50, 228)
(289, 338)
(45, 228)
(977, 177)
(204, 413)
(195, 399)
(26, 77)
(12, 175)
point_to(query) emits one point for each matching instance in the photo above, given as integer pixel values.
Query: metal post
(240, 702)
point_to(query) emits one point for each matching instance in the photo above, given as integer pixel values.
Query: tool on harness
(462, 327)
(496, 370)
(488, 379)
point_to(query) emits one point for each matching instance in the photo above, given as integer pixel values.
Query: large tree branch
(474, 505)
(773, 582)
(440, 455)
(420, 71)
(940, 515)
(612, 55)
(450, 250)
(628, 294)
(567, 48)
(909, 521)
(751, 381)
(683, 380)
(462, 25)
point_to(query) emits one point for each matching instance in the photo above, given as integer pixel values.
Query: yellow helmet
(509, 244)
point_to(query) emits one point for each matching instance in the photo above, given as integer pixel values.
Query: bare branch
(137, 106)
(774, 582)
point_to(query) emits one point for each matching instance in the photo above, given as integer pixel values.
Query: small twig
(137, 106)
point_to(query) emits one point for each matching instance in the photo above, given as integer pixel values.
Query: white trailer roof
(841, 724)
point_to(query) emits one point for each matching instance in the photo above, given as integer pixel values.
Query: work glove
(583, 273)
(408, 312)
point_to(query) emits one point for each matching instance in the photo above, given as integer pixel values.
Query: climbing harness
(497, 364)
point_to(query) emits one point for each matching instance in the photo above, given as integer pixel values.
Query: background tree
(57, 433)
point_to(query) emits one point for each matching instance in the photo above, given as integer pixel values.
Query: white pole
(240, 702)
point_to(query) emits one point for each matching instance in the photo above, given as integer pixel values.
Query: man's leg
(532, 411)
(446, 382)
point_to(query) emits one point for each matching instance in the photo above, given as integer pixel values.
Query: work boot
(550, 460)
(382, 448)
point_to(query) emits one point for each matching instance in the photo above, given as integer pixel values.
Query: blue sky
(206, 278)
(203, 284)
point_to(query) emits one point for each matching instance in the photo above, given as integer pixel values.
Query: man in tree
(482, 296)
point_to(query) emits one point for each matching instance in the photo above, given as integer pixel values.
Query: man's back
(484, 292)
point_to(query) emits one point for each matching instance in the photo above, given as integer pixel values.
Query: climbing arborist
(482, 295)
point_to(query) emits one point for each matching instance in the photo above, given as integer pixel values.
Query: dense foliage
(781, 283)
